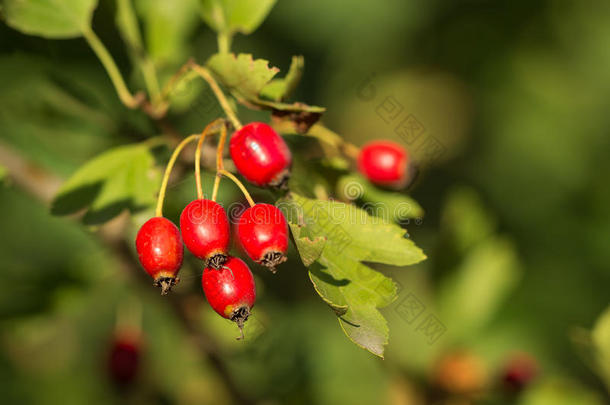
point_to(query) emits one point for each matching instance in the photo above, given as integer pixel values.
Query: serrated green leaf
(391, 206)
(230, 16)
(242, 73)
(50, 18)
(120, 178)
(280, 89)
(309, 249)
(246, 77)
(353, 290)
(600, 337)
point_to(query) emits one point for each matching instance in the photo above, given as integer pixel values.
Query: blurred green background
(517, 224)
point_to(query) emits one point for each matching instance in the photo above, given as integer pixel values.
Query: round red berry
(261, 155)
(124, 360)
(385, 163)
(160, 251)
(262, 231)
(205, 231)
(519, 371)
(230, 290)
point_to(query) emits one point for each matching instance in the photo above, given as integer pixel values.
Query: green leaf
(600, 337)
(470, 296)
(353, 290)
(247, 77)
(280, 89)
(309, 249)
(3, 173)
(167, 29)
(557, 391)
(230, 16)
(121, 178)
(50, 18)
(391, 206)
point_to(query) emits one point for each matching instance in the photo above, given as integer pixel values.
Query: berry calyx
(385, 163)
(230, 290)
(160, 251)
(261, 155)
(262, 231)
(205, 230)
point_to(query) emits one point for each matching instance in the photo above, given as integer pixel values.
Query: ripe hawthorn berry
(205, 231)
(262, 231)
(518, 372)
(124, 359)
(160, 251)
(385, 163)
(230, 290)
(261, 155)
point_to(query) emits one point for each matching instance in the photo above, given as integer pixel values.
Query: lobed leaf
(353, 290)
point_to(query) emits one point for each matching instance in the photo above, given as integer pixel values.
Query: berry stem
(206, 131)
(224, 103)
(219, 162)
(111, 68)
(239, 184)
(168, 171)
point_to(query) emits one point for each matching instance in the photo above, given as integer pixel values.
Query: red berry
(230, 290)
(262, 231)
(160, 251)
(205, 231)
(261, 155)
(385, 163)
(124, 360)
(520, 370)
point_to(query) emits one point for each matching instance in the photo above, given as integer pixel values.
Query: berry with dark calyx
(124, 359)
(262, 231)
(205, 230)
(160, 251)
(518, 372)
(230, 290)
(385, 163)
(261, 155)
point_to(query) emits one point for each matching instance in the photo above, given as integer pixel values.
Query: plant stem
(239, 184)
(207, 131)
(224, 103)
(111, 68)
(224, 42)
(219, 163)
(168, 171)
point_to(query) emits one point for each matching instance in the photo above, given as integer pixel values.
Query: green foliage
(120, 178)
(167, 29)
(389, 205)
(231, 16)
(247, 77)
(600, 337)
(558, 391)
(280, 89)
(353, 290)
(50, 18)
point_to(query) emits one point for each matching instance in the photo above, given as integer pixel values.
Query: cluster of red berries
(263, 158)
